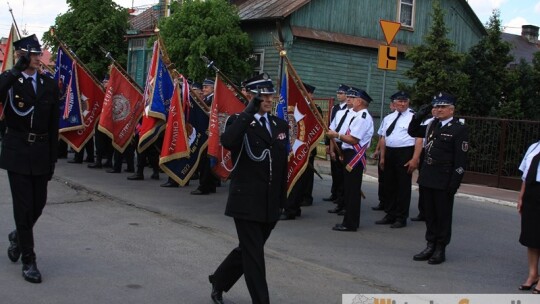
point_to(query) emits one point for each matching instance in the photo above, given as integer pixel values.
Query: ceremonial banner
(304, 129)
(91, 96)
(181, 167)
(225, 104)
(123, 106)
(70, 105)
(9, 57)
(9, 51)
(157, 96)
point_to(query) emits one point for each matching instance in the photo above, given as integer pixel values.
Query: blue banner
(70, 104)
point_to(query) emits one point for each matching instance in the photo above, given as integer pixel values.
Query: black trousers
(104, 148)
(29, 195)
(439, 205)
(336, 170)
(207, 180)
(353, 191)
(397, 182)
(89, 148)
(247, 259)
(128, 155)
(380, 190)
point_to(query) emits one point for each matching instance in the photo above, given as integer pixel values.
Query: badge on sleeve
(465, 146)
(364, 115)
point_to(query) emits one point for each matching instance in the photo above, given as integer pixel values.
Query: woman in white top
(529, 208)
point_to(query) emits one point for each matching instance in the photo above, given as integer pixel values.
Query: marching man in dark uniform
(441, 173)
(258, 190)
(29, 149)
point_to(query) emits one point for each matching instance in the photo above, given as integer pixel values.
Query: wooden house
(336, 41)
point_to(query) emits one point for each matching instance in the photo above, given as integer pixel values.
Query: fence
(497, 147)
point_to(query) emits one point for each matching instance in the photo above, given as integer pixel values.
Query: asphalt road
(104, 239)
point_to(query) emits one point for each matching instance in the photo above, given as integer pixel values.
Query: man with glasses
(29, 149)
(399, 157)
(447, 143)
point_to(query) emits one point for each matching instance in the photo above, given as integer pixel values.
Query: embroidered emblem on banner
(121, 107)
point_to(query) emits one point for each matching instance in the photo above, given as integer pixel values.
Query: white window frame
(260, 53)
(413, 6)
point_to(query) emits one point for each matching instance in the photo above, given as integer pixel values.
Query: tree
(88, 25)
(436, 65)
(210, 28)
(486, 65)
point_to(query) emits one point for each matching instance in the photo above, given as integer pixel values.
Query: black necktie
(533, 170)
(392, 125)
(29, 82)
(341, 121)
(263, 122)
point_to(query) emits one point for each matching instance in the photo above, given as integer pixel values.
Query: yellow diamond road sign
(390, 29)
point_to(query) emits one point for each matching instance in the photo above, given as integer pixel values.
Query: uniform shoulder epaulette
(411, 110)
(364, 115)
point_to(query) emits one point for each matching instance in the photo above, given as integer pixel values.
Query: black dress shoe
(136, 176)
(419, 218)
(155, 176)
(399, 224)
(31, 273)
(425, 254)
(14, 252)
(306, 204)
(385, 221)
(112, 171)
(329, 199)
(340, 227)
(95, 165)
(335, 210)
(199, 192)
(74, 161)
(89, 160)
(216, 295)
(129, 170)
(286, 217)
(169, 184)
(438, 256)
(107, 164)
(379, 207)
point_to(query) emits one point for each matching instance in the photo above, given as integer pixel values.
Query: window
(258, 61)
(406, 13)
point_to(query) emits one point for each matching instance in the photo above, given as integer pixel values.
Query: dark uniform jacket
(30, 144)
(257, 192)
(445, 155)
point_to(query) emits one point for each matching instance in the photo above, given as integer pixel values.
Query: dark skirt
(530, 217)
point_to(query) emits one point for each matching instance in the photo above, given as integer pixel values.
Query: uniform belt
(430, 161)
(400, 148)
(29, 136)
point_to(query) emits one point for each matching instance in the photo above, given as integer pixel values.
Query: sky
(36, 16)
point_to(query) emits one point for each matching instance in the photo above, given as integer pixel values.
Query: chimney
(530, 32)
